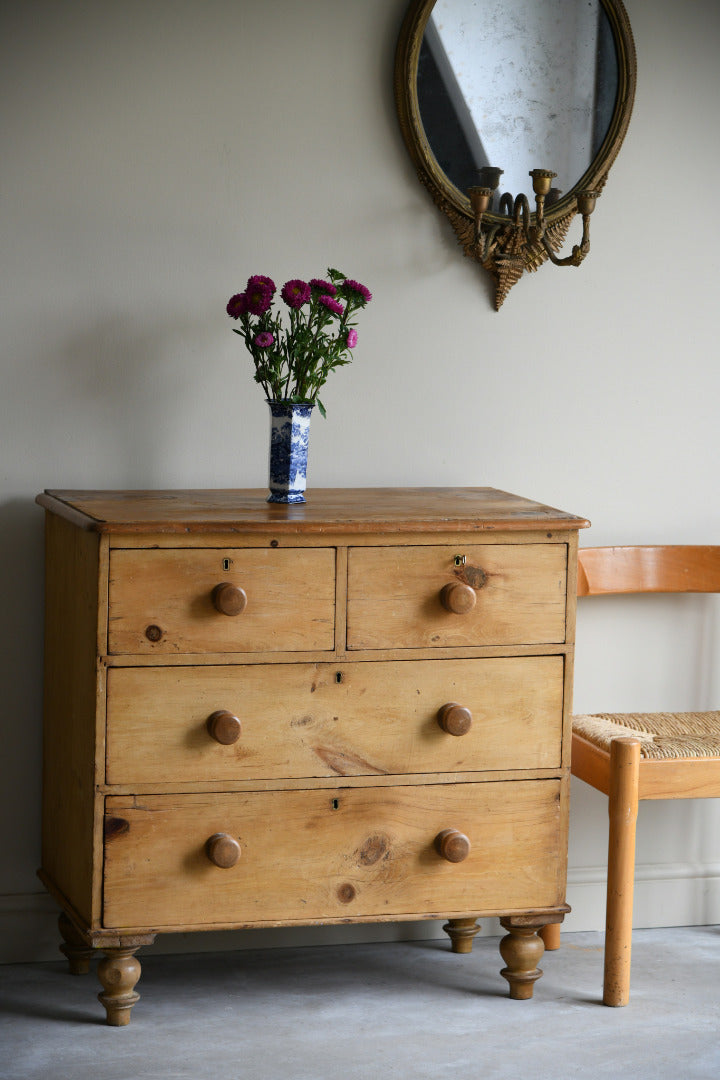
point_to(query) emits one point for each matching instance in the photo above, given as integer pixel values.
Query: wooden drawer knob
(455, 719)
(452, 845)
(458, 597)
(229, 599)
(222, 850)
(224, 727)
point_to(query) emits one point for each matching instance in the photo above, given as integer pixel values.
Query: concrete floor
(409, 1010)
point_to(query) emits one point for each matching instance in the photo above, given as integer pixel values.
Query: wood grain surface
(321, 854)
(395, 596)
(163, 601)
(353, 510)
(312, 720)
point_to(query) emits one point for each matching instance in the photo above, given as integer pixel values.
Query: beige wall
(156, 154)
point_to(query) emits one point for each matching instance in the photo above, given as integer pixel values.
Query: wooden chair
(641, 756)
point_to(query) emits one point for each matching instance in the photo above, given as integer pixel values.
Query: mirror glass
(517, 85)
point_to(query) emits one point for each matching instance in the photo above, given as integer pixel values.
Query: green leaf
(321, 408)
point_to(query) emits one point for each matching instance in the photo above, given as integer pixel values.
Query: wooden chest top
(328, 510)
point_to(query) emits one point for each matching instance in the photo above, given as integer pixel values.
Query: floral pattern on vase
(289, 438)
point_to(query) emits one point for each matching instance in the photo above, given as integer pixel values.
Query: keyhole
(460, 560)
(338, 676)
(336, 804)
(226, 564)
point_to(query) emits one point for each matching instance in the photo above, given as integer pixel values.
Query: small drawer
(174, 861)
(238, 600)
(319, 720)
(467, 595)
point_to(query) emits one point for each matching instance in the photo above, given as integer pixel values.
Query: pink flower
(259, 295)
(323, 286)
(264, 339)
(295, 293)
(331, 304)
(237, 305)
(356, 287)
(351, 340)
(262, 280)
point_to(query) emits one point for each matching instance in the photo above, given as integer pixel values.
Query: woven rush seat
(662, 735)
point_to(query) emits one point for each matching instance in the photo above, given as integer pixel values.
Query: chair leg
(622, 809)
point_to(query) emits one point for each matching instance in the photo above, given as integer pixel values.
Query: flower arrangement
(292, 363)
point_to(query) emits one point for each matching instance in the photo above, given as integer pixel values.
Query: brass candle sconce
(438, 111)
(509, 247)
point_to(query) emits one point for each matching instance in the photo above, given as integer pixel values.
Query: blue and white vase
(289, 437)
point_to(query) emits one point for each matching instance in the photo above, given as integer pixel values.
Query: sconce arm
(579, 251)
(506, 204)
(485, 239)
(522, 209)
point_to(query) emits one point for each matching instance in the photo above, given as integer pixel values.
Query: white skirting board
(666, 894)
(671, 894)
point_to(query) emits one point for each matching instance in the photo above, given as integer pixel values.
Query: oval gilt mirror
(489, 91)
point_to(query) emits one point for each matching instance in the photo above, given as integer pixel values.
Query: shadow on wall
(21, 659)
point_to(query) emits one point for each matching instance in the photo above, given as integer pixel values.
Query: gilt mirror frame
(507, 250)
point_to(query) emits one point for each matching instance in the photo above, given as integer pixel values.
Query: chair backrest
(657, 569)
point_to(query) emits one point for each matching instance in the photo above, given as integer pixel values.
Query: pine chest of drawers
(350, 710)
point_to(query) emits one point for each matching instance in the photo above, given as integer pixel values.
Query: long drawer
(347, 719)
(168, 600)
(339, 854)
(509, 594)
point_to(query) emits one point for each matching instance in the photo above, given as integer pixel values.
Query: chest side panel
(73, 699)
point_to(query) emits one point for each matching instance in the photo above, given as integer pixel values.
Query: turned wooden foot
(74, 947)
(521, 950)
(461, 933)
(118, 971)
(551, 936)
